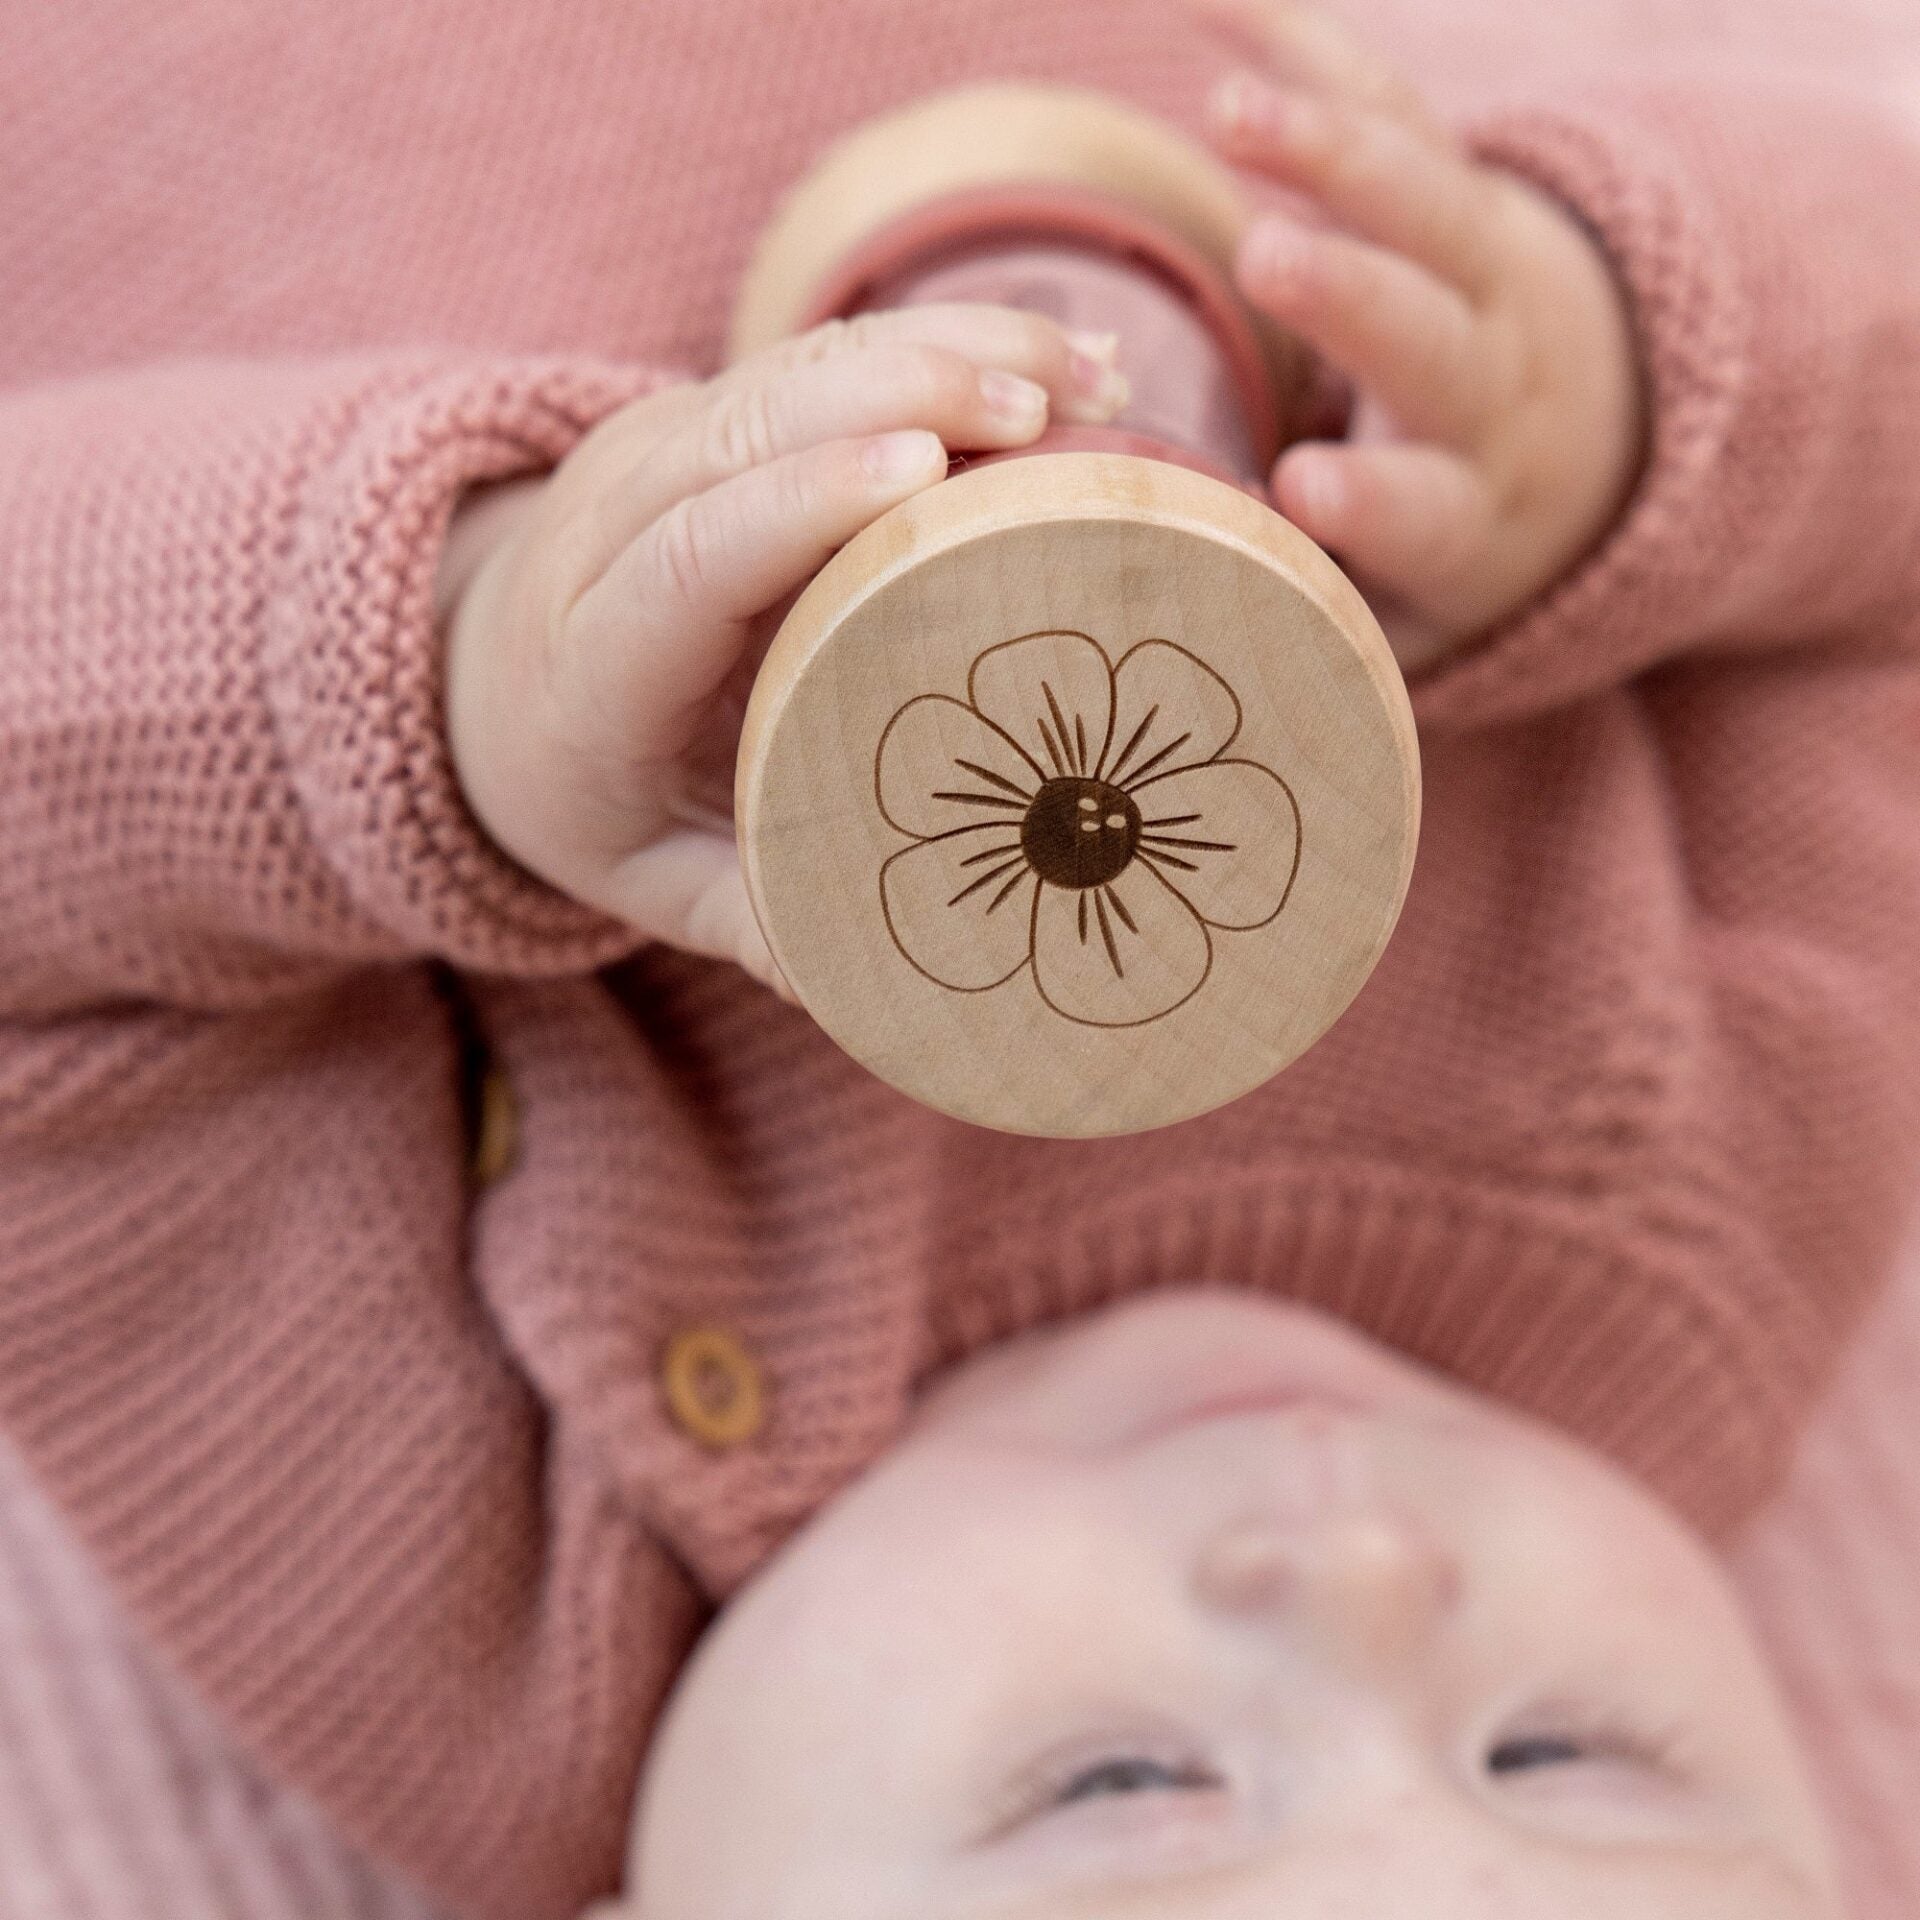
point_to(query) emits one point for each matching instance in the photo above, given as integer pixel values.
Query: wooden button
(713, 1386)
(498, 1137)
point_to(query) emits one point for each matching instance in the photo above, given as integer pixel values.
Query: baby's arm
(225, 770)
(222, 725)
(1724, 695)
(1756, 225)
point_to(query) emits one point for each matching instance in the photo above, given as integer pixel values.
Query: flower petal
(1225, 835)
(941, 767)
(961, 907)
(1053, 693)
(1118, 955)
(1169, 710)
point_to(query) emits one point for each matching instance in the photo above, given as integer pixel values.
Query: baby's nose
(1369, 1588)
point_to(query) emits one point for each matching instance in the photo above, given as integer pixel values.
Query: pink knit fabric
(376, 1469)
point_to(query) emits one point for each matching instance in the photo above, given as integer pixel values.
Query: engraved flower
(1080, 819)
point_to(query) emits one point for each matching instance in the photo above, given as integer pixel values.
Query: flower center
(1079, 833)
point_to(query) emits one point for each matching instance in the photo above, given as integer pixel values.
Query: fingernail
(1285, 116)
(1020, 403)
(1104, 347)
(895, 459)
(1100, 391)
(1233, 101)
(1276, 250)
(1320, 486)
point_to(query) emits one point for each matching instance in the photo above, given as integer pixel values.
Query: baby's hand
(595, 616)
(1498, 426)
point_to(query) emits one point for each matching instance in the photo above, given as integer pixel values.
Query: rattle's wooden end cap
(1078, 795)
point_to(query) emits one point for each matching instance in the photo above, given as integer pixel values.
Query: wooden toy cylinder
(1078, 794)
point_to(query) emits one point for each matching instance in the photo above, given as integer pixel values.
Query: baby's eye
(1100, 1778)
(1132, 1774)
(1534, 1750)
(1600, 1745)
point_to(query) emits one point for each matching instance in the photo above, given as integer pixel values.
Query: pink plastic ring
(1041, 211)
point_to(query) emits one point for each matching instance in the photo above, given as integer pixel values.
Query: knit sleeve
(1762, 227)
(225, 768)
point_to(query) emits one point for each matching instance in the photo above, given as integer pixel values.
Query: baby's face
(1208, 1608)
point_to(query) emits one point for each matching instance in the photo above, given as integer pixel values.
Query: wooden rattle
(1078, 794)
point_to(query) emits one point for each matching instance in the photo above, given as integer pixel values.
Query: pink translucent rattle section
(1185, 394)
(1202, 377)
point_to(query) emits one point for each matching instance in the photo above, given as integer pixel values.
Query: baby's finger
(1415, 519)
(846, 396)
(1077, 370)
(1314, 50)
(649, 642)
(1410, 339)
(1388, 184)
(687, 889)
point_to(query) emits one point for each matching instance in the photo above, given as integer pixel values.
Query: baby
(1305, 1511)
(1208, 1607)
(1203, 1605)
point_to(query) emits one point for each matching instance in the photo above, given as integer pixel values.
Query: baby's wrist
(484, 519)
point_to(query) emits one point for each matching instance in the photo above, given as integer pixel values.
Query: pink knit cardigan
(378, 1467)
